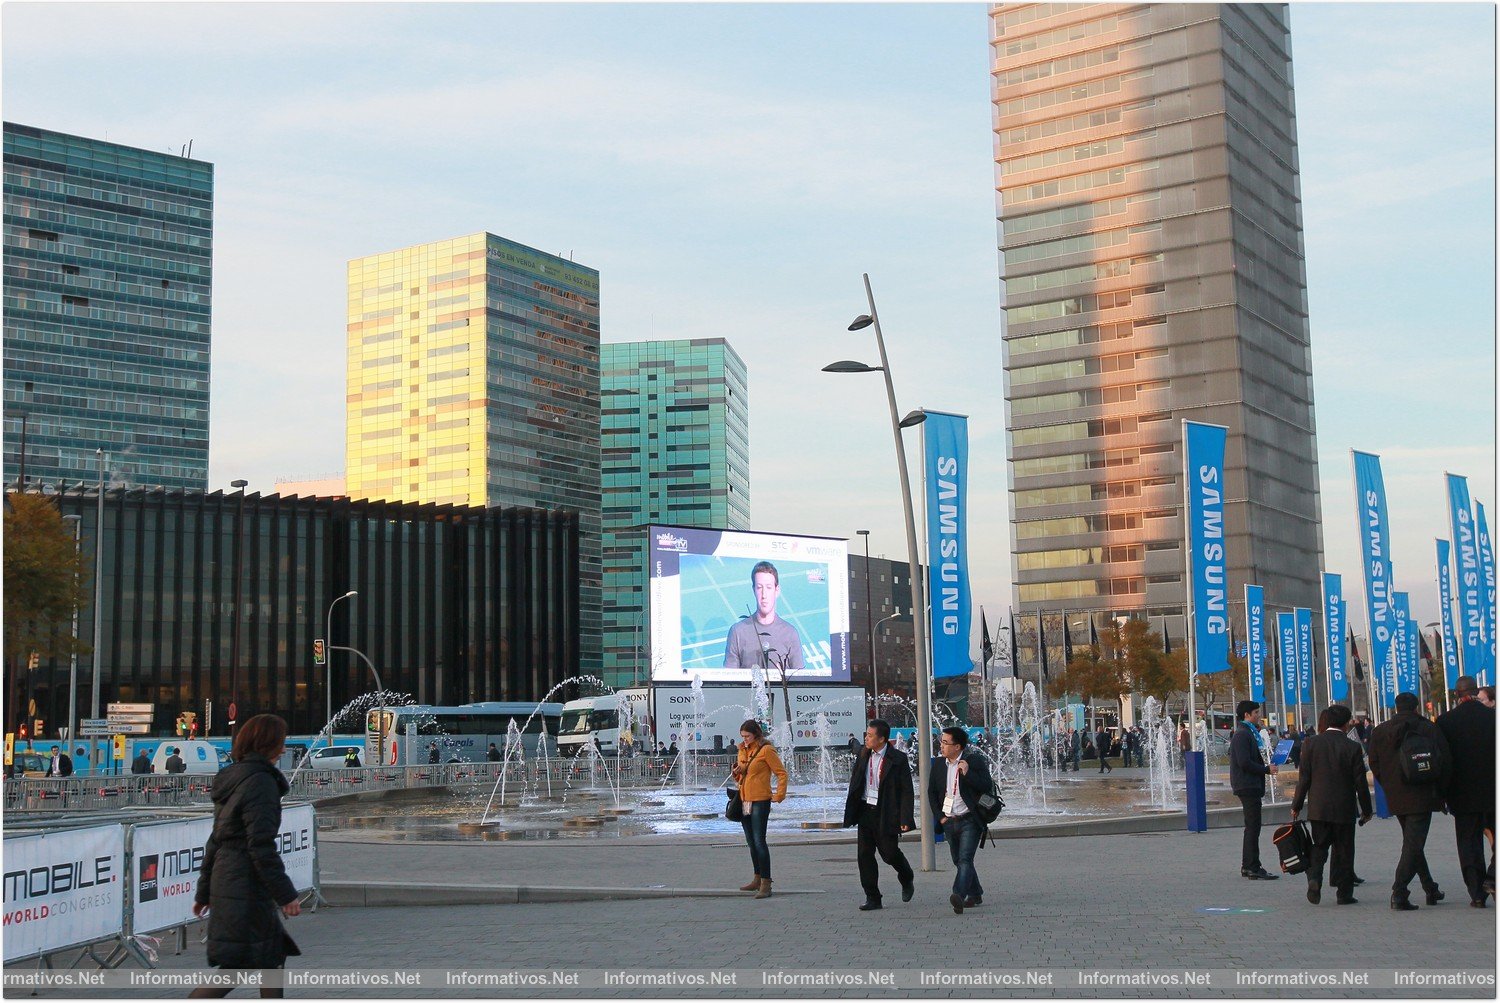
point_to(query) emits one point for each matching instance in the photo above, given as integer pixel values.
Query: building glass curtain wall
(675, 449)
(108, 269)
(456, 604)
(1152, 257)
(473, 379)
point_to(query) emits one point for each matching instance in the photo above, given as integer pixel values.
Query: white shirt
(953, 802)
(873, 767)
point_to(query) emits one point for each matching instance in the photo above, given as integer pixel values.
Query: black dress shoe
(957, 902)
(908, 889)
(1402, 903)
(1435, 896)
(1261, 874)
(1357, 881)
(1315, 892)
(973, 901)
(1476, 903)
(870, 904)
(1347, 900)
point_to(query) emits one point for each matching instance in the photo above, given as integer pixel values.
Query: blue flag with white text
(1333, 636)
(1255, 640)
(1487, 575)
(1470, 580)
(1445, 616)
(947, 460)
(1203, 468)
(1286, 637)
(1304, 654)
(1375, 548)
(1406, 671)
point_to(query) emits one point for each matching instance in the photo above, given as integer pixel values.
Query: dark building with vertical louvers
(455, 604)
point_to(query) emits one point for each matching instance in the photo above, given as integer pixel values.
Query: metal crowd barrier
(105, 793)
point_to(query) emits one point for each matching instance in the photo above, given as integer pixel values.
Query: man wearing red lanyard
(957, 778)
(880, 803)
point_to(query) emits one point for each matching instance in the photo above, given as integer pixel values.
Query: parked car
(28, 764)
(333, 757)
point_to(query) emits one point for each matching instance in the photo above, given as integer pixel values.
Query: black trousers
(1250, 849)
(873, 838)
(1413, 862)
(1469, 831)
(1333, 840)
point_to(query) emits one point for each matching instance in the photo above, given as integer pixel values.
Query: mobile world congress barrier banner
(946, 454)
(1203, 460)
(167, 858)
(1255, 644)
(63, 889)
(1333, 636)
(725, 603)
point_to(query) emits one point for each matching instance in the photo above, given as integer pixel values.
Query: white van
(200, 756)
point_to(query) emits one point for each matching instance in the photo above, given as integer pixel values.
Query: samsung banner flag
(1487, 575)
(1286, 635)
(1203, 466)
(1375, 548)
(1333, 636)
(1413, 654)
(1470, 582)
(1405, 671)
(1255, 634)
(1304, 655)
(947, 460)
(1445, 610)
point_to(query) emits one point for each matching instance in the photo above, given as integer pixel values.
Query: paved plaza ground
(1108, 902)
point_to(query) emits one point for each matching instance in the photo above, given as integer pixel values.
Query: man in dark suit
(1411, 802)
(61, 764)
(1469, 729)
(1248, 770)
(957, 778)
(1331, 778)
(1101, 743)
(880, 804)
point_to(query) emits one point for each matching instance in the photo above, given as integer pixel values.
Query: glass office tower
(1151, 237)
(473, 379)
(675, 450)
(108, 275)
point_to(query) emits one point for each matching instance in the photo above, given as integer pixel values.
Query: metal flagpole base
(1197, 794)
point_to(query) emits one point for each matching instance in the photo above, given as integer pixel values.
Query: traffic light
(182, 726)
(192, 728)
(24, 736)
(320, 652)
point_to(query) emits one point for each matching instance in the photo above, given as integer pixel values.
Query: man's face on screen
(766, 591)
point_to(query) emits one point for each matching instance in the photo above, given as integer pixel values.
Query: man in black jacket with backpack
(1410, 758)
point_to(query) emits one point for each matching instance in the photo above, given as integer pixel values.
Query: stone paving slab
(1119, 902)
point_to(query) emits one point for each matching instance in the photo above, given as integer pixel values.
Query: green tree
(46, 580)
(1093, 674)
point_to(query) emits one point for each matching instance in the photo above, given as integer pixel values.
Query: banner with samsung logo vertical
(947, 462)
(1487, 575)
(1255, 640)
(1406, 672)
(1471, 625)
(1375, 547)
(1304, 654)
(1445, 611)
(63, 889)
(1203, 467)
(1333, 634)
(1286, 637)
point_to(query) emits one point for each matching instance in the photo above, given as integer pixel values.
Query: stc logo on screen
(670, 541)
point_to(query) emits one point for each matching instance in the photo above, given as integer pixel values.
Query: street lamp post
(234, 625)
(328, 661)
(918, 586)
(869, 618)
(77, 521)
(874, 671)
(99, 609)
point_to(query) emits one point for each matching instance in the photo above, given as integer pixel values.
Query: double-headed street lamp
(874, 668)
(77, 521)
(327, 660)
(918, 587)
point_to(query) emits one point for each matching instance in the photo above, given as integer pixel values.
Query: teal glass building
(108, 275)
(674, 449)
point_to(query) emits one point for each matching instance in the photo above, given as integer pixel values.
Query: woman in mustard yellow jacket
(757, 763)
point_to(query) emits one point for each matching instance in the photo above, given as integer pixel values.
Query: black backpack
(1419, 758)
(1294, 846)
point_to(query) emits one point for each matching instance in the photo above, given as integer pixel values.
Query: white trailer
(725, 708)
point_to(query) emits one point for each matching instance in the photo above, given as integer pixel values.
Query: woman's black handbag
(734, 810)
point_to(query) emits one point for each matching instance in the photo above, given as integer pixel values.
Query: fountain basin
(475, 828)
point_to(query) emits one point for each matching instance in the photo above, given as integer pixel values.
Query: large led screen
(724, 602)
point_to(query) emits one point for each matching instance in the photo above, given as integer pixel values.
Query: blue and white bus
(402, 735)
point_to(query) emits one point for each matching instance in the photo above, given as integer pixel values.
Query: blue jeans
(757, 814)
(962, 835)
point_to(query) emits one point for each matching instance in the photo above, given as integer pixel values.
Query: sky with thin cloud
(731, 170)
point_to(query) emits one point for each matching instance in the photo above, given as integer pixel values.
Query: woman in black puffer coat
(243, 882)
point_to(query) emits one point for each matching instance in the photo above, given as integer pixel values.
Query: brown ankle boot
(753, 886)
(765, 889)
